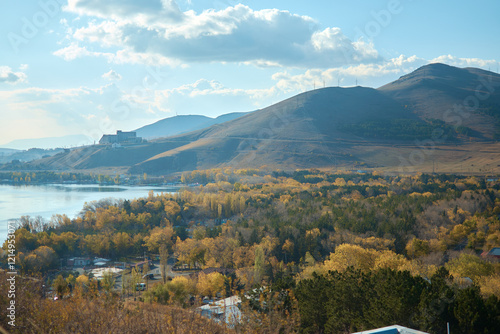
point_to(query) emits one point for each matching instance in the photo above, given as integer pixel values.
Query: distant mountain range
(172, 126)
(7, 151)
(438, 117)
(163, 128)
(8, 155)
(49, 142)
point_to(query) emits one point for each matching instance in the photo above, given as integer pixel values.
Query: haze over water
(47, 200)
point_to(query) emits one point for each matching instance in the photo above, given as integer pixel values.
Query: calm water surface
(49, 199)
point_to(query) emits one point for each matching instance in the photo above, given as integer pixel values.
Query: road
(156, 274)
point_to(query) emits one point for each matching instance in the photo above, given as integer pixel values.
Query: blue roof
(394, 329)
(387, 331)
(495, 251)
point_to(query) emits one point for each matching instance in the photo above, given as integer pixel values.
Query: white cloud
(65, 111)
(127, 56)
(134, 10)
(112, 76)
(7, 75)
(75, 51)
(367, 74)
(234, 34)
(346, 75)
(44, 112)
(465, 62)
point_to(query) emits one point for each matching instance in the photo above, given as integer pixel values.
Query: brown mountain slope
(458, 96)
(303, 131)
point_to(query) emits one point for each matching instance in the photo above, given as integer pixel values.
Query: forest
(43, 177)
(324, 251)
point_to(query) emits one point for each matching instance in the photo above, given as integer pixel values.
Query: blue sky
(92, 67)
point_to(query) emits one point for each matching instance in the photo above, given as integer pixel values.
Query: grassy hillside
(292, 133)
(458, 96)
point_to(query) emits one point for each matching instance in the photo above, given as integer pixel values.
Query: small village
(130, 280)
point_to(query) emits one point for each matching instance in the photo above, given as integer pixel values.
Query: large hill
(306, 130)
(459, 96)
(438, 117)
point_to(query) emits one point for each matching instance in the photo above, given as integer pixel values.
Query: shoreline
(63, 198)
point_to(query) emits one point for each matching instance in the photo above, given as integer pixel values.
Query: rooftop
(394, 329)
(225, 310)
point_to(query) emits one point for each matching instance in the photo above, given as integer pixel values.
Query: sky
(92, 67)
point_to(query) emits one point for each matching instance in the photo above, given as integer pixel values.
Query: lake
(49, 199)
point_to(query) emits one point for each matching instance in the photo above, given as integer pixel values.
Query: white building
(223, 311)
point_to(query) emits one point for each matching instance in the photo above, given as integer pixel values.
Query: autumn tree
(157, 294)
(179, 289)
(157, 237)
(259, 263)
(108, 281)
(122, 243)
(471, 266)
(163, 262)
(40, 260)
(60, 286)
(210, 284)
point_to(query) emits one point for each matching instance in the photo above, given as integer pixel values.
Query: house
(79, 261)
(395, 329)
(121, 137)
(101, 262)
(225, 311)
(493, 253)
(100, 272)
(140, 265)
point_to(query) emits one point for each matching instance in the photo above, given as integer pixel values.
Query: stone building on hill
(121, 138)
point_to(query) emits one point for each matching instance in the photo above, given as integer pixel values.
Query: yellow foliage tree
(347, 255)
(417, 248)
(390, 260)
(179, 288)
(159, 236)
(210, 284)
(471, 266)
